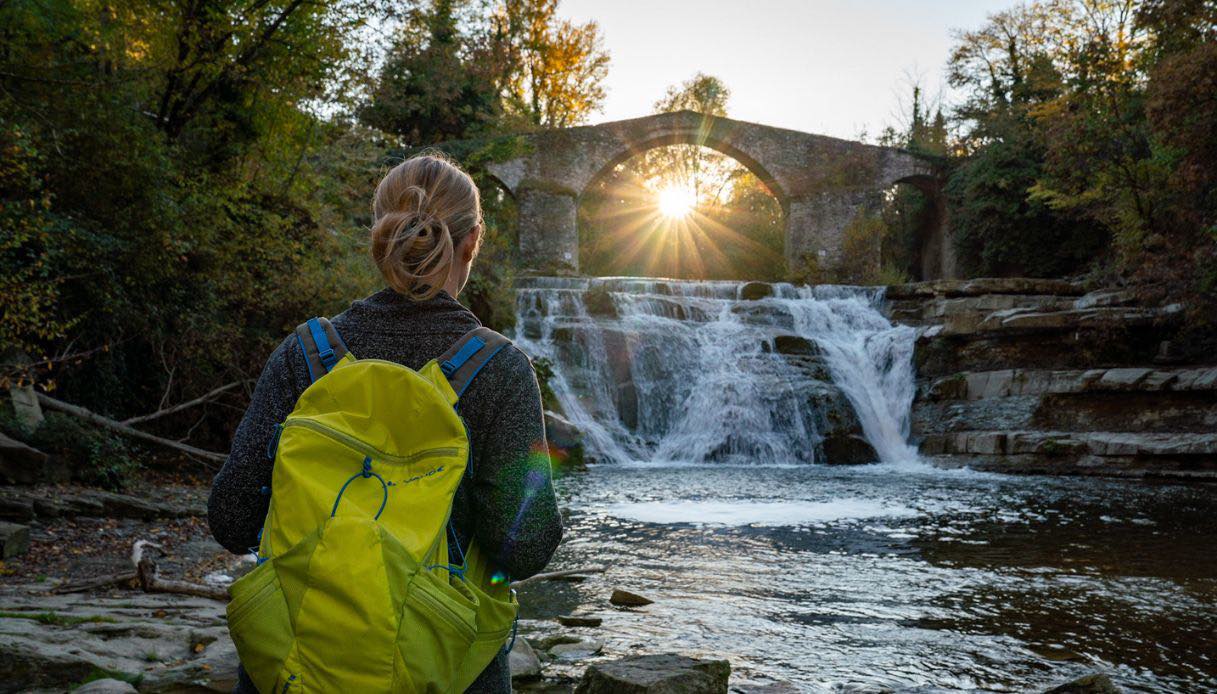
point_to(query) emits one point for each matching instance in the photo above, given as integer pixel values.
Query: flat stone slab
(666, 673)
(983, 285)
(624, 598)
(1059, 443)
(41, 502)
(169, 642)
(979, 385)
(21, 463)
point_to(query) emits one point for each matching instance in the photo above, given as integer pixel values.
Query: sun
(676, 201)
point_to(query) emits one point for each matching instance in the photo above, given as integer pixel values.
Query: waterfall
(681, 371)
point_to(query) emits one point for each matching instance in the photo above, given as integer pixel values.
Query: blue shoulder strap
(321, 346)
(465, 359)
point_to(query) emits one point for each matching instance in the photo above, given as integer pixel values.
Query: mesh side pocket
(260, 625)
(437, 631)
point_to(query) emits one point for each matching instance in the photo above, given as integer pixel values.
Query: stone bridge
(822, 182)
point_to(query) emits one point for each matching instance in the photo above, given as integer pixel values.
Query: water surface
(897, 576)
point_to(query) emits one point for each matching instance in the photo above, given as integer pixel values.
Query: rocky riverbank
(1043, 377)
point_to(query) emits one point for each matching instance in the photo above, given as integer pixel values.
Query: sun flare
(676, 201)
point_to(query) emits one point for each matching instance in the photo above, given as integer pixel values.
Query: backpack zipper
(363, 448)
(444, 612)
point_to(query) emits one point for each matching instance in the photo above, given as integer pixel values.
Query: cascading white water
(687, 372)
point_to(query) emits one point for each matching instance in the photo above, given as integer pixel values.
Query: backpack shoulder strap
(321, 346)
(463, 360)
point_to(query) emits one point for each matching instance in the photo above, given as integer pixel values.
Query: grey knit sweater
(507, 504)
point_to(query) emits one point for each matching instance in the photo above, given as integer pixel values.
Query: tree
(162, 190)
(436, 84)
(701, 93)
(552, 70)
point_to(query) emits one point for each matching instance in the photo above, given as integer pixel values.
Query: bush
(999, 230)
(94, 456)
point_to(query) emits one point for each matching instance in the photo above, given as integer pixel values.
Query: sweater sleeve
(514, 511)
(237, 506)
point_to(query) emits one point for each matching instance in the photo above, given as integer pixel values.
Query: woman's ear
(470, 244)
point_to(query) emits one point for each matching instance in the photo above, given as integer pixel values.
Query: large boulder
(14, 540)
(752, 291)
(1090, 684)
(667, 673)
(523, 662)
(599, 302)
(21, 464)
(795, 344)
(564, 438)
(842, 448)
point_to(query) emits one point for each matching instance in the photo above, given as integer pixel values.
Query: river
(710, 499)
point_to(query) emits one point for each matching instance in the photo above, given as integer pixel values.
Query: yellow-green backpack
(353, 591)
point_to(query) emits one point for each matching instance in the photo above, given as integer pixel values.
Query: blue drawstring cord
(455, 570)
(365, 473)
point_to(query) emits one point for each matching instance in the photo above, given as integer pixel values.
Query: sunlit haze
(676, 201)
(829, 67)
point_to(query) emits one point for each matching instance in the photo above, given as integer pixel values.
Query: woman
(425, 237)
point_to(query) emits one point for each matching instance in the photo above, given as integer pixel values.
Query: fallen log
(97, 582)
(554, 575)
(205, 398)
(150, 580)
(121, 428)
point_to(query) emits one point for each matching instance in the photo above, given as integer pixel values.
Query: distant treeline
(182, 181)
(1085, 144)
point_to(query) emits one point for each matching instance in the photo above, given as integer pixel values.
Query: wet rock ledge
(1041, 376)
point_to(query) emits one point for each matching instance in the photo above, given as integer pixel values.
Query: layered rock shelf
(1040, 376)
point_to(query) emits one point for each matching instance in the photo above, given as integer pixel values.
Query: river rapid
(708, 497)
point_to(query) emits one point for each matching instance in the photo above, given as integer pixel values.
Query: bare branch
(205, 398)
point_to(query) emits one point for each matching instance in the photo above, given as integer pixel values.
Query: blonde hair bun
(423, 208)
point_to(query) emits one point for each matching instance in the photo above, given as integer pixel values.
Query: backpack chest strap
(465, 359)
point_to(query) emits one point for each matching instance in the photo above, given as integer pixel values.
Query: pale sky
(823, 66)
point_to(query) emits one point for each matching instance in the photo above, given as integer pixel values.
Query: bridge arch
(821, 182)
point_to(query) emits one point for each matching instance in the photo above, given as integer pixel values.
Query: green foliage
(545, 373)
(1087, 122)
(701, 93)
(437, 83)
(553, 69)
(460, 68)
(29, 248)
(999, 228)
(863, 258)
(167, 213)
(489, 291)
(95, 456)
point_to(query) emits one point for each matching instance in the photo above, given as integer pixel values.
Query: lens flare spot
(676, 201)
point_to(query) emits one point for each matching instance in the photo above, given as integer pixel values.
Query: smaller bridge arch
(821, 182)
